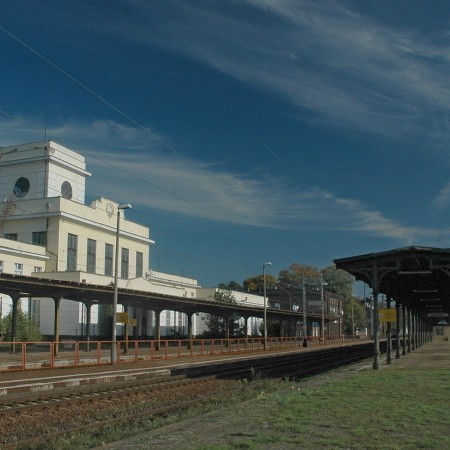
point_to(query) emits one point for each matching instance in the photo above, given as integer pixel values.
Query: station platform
(40, 380)
(432, 354)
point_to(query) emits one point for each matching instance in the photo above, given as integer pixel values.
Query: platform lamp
(265, 303)
(116, 287)
(322, 303)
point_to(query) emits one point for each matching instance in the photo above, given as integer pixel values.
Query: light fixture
(265, 303)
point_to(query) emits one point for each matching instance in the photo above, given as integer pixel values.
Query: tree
(232, 286)
(338, 281)
(297, 274)
(26, 331)
(216, 324)
(354, 314)
(256, 284)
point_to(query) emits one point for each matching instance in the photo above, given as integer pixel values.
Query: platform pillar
(397, 346)
(389, 335)
(14, 317)
(88, 324)
(376, 337)
(157, 328)
(246, 319)
(404, 329)
(189, 330)
(56, 324)
(409, 331)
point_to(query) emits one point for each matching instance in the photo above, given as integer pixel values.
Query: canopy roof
(417, 277)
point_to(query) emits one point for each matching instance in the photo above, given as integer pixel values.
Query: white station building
(47, 230)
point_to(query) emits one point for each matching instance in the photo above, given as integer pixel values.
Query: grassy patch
(388, 409)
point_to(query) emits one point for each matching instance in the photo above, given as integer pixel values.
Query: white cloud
(443, 198)
(343, 66)
(128, 166)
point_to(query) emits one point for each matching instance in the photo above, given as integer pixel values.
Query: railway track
(27, 420)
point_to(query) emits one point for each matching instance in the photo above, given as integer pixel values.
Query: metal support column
(397, 346)
(56, 327)
(305, 329)
(409, 331)
(376, 337)
(389, 336)
(404, 329)
(376, 318)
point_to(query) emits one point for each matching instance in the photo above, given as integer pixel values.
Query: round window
(66, 190)
(21, 187)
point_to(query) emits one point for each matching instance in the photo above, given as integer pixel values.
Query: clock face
(21, 187)
(66, 190)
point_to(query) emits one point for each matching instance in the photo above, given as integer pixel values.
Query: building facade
(47, 230)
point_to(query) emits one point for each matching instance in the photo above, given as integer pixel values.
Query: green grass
(389, 409)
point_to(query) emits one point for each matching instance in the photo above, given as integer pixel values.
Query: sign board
(121, 317)
(388, 315)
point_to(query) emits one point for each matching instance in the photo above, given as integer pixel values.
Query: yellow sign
(121, 317)
(388, 315)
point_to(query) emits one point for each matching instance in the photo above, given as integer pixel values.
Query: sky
(245, 131)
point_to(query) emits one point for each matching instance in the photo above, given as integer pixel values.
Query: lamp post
(265, 303)
(322, 284)
(116, 287)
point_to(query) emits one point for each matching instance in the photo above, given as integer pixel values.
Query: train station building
(47, 231)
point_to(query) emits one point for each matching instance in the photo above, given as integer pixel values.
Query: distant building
(292, 300)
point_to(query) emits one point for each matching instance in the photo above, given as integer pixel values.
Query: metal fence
(21, 356)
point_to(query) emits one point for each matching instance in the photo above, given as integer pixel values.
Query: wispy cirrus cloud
(339, 64)
(119, 156)
(442, 200)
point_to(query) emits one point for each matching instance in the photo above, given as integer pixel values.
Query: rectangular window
(1, 266)
(37, 269)
(12, 236)
(18, 269)
(39, 238)
(91, 255)
(72, 244)
(124, 263)
(139, 264)
(109, 250)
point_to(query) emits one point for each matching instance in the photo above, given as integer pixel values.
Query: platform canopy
(417, 277)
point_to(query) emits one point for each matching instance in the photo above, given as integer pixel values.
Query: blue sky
(244, 131)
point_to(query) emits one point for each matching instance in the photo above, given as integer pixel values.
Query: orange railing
(21, 356)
